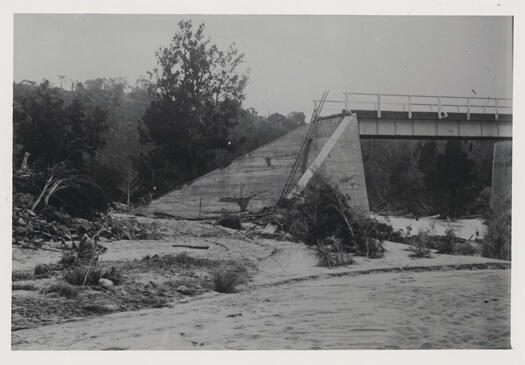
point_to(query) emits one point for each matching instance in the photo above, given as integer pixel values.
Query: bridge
(427, 117)
(331, 144)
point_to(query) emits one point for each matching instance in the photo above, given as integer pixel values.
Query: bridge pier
(501, 175)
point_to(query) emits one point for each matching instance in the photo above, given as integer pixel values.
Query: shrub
(230, 221)
(112, 274)
(225, 279)
(420, 252)
(420, 245)
(41, 269)
(67, 259)
(465, 248)
(330, 253)
(447, 244)
(62, 289)
(497, 241)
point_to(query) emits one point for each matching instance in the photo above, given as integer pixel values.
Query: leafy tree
(53, 132)
(197, 92)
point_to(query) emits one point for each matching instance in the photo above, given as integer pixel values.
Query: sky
(291, 59)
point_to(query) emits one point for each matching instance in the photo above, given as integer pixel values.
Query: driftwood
(190, 246)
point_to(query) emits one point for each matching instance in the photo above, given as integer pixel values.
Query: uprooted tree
(322, 217)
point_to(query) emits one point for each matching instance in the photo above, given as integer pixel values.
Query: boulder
(105, 283)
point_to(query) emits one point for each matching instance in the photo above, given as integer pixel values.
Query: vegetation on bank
(450, 178)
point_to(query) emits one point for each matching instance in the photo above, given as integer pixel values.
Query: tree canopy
(52, 131)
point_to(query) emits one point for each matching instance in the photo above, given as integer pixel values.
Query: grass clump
(88, 275)
(227, 278)
(83, 275)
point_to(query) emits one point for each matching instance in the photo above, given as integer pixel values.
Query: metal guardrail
(442, 105)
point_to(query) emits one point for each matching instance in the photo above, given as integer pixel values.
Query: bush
(112, 274)
(447, 244)
(230, 221)
(420, 252)
(420, 245)
(330, 253)
(67, 259)
(225, 279)
(42, 269)
(62, 289)
(497, 241)
(465, 248)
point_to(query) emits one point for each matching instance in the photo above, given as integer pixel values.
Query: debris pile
(31, 230)
(322, 218)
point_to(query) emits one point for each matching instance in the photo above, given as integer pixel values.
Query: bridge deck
(427, 116)
(427, 125)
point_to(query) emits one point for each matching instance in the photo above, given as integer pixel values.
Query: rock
(183, 289)
(100, 308)
(106, 283)
(21, 222)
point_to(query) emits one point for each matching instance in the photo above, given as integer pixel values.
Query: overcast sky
(291, 58)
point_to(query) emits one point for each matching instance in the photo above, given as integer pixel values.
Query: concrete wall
(264, 172)
(344, 165)
(501, 174)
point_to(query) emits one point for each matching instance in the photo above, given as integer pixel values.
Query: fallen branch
(190, 246)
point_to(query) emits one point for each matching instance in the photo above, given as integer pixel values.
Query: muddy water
(453, 309)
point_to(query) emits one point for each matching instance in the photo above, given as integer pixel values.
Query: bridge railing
(441, 105)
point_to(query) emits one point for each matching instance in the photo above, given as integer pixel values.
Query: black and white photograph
(198, 181)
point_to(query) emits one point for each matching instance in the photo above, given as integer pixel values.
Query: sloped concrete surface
(263, 172)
